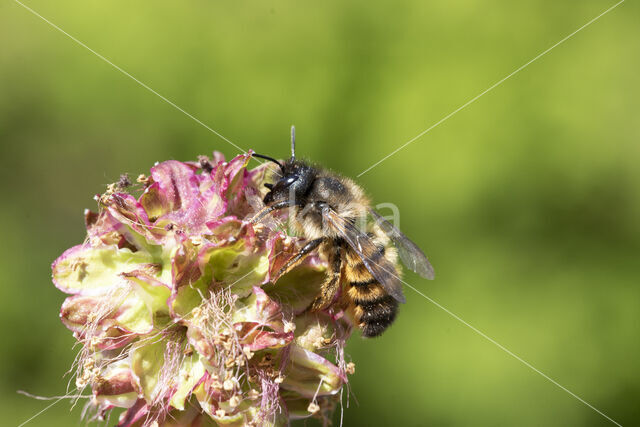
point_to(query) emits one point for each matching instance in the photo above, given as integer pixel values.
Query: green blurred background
(527, 201)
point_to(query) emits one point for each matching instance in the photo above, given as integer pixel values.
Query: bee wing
(381, 270)
(409, 252)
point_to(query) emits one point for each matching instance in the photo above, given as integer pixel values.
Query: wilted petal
(225, 229)
(177, 184)
(236, 420)
(299, 286)
(191, 416)
(179, 193)
(259, 308)
(255, 336)
(109, 320)
(208, 394)
(102, 227)
(84, 269)
(153, 202)
(281, 249)
(218, 157)
(153, 293)
(259, 322)
(297, 406)
(229, 262)
(115, 387)
(146, 364)
(235, 169)
(184, 264)
(79, 311)
(201, 343)
(130, 213)
(260, 174)
(310, 374)
(236, 265)
(191, 373)
(184, 299)
(240, 186)
(134, 414)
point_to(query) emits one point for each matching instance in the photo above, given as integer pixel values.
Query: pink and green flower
(171, 300)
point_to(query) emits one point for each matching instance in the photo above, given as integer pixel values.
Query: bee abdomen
(375, 309)
(360, 269)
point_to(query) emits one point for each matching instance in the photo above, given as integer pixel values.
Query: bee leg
(331, 284)
(297, 258)
(268, 209)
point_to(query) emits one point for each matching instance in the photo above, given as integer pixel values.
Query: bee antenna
(293, 142)
(271, 159)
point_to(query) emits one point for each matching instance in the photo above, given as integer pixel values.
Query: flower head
(172, 302)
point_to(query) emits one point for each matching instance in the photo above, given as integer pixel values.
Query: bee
(334, 215)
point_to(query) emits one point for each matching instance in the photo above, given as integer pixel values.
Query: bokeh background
(527, 201)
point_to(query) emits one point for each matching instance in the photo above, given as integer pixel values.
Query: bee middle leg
(298, 258)
(331, 284)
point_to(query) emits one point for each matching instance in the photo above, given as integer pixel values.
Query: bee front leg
(330, 287)
(268, 209)
(297, 258)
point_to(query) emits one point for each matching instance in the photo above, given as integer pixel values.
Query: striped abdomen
(372, 308)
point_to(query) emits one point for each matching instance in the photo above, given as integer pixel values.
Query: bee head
(293, 182)
(294, 179)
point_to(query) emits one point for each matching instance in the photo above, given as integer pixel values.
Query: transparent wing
(381, 269)
(410, 254)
